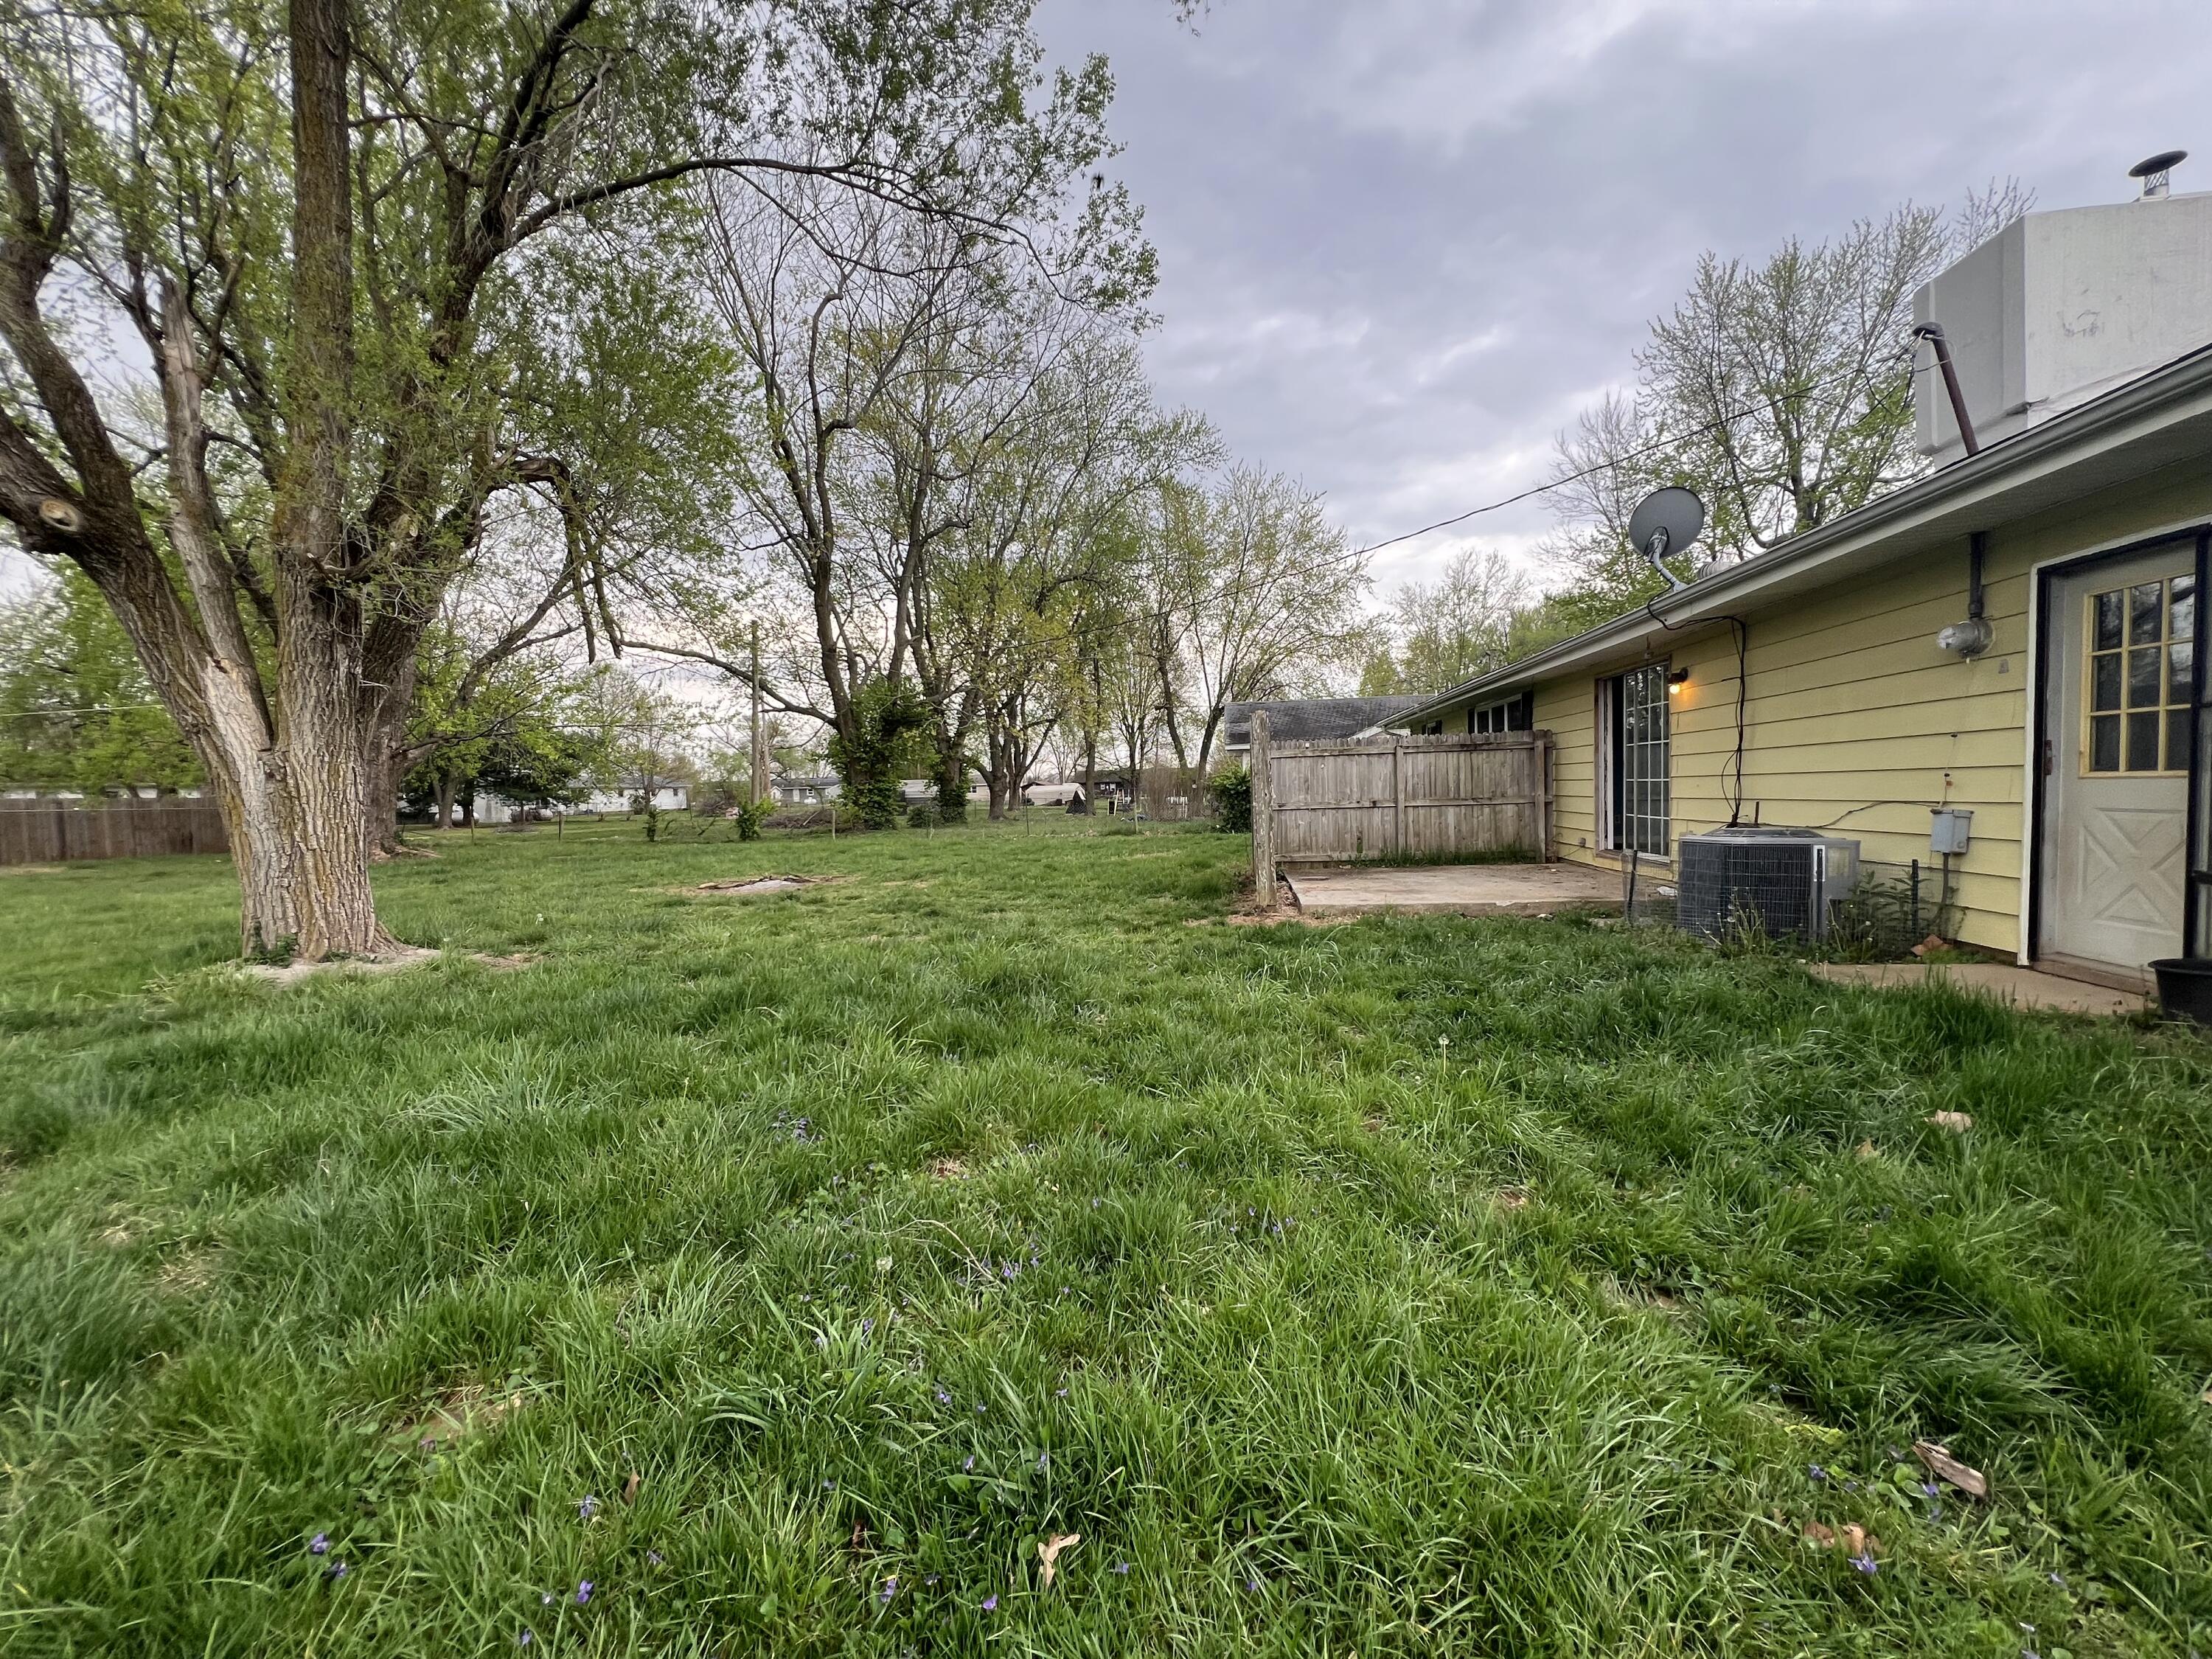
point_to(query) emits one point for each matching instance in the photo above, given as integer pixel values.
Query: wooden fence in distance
(55, 832)
(1416, 799)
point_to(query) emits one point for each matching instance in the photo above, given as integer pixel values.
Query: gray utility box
(1776, 882)
(1949, 829)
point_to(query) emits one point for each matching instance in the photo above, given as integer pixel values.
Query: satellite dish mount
(1667, 521)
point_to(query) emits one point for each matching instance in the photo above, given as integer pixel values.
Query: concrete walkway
(2024, 987)
(1475, 889)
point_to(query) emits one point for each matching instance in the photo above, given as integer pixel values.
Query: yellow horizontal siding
(1855, 721)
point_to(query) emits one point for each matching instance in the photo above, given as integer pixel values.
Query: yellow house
(1807, 686)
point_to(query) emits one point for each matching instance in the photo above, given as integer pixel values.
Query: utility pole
(759, 755)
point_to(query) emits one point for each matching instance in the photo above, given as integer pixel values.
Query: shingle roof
(1307, 719)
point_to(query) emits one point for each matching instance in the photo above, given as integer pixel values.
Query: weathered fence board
(1403, 798)
(49, 832)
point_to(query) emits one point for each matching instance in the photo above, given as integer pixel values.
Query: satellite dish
(1666, 521)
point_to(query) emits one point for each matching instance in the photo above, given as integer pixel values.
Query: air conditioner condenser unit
(1777, 882)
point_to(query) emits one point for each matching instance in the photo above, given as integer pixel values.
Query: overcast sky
(1403, 242)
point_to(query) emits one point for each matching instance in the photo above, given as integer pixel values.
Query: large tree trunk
(445, 800)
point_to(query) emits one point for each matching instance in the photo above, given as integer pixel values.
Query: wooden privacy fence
(1433, 798)
(50, 832)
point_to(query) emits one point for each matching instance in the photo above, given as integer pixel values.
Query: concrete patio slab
(1473, 889)
(2024, 987)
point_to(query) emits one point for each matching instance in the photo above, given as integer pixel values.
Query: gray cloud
(1403, 243)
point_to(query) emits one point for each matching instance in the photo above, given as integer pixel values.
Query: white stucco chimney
(2059, 308)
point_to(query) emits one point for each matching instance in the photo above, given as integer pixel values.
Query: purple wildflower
(944, 1398)
(2059, 1579)
(990, 1604)
(526, 1637)
(1252, 1583)
(1816, 1471)
(969, 1461)
(1044, 1462)
(1929, 1489)
(320, 1544)
(829, 1485)
(867, 1328)
(1060, 1393)
(979, 1408)
(589, 1507)
(653, 1558)
(1122, 1569)
(545, 1598)
(336, 1570)
(890, 1590)
(584, 1592)
(931, 1581)
(1864, 1562)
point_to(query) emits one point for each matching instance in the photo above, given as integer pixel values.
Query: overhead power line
(1657, 448)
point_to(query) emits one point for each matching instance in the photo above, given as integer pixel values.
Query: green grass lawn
(1410, 1286)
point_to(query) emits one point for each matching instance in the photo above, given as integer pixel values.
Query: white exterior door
(2116, 782)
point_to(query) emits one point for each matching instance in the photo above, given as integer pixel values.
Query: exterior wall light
(1676, 681)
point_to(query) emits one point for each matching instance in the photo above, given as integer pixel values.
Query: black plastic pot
(2184, 987)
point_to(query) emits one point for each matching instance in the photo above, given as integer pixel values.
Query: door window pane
(2140, 657)
(2105, 681)
(2106, 630)
(2144, 613)
(2179, 723)
(1641, 756)
(2142, 678)
(2105, 743)
(2143, 742)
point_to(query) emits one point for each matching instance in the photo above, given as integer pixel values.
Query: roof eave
(2009, 461)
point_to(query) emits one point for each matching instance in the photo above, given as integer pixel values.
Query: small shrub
(1233, 799)
(922, 815)
(748, 819)
(653, 816)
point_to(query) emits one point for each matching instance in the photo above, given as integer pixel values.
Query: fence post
(1540, 790)
(1263, 815)
(1398, 790)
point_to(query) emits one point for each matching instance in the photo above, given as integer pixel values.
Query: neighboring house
(811, 789)
(1052, 794)
(1307, 719)
(914, 791)
(668, 797)
(2018, 634)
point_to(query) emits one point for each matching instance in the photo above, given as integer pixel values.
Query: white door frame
(2041, 573)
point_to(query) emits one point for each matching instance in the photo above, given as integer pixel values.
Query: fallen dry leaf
(630, 1487)
(947, 1168)
(1048, 1553)
(1512, 1198)
(1867, 1149)
(1933, 942)
(1852, 1538)
(1944, 1466)
(1957, 1122)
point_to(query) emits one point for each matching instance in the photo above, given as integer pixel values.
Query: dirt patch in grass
(32, 869)
(188, 1273)
(757, 886)
(947, 1168)
(295, 973)
(470, 1409)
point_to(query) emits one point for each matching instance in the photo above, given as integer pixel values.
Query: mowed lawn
(776, 1275)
